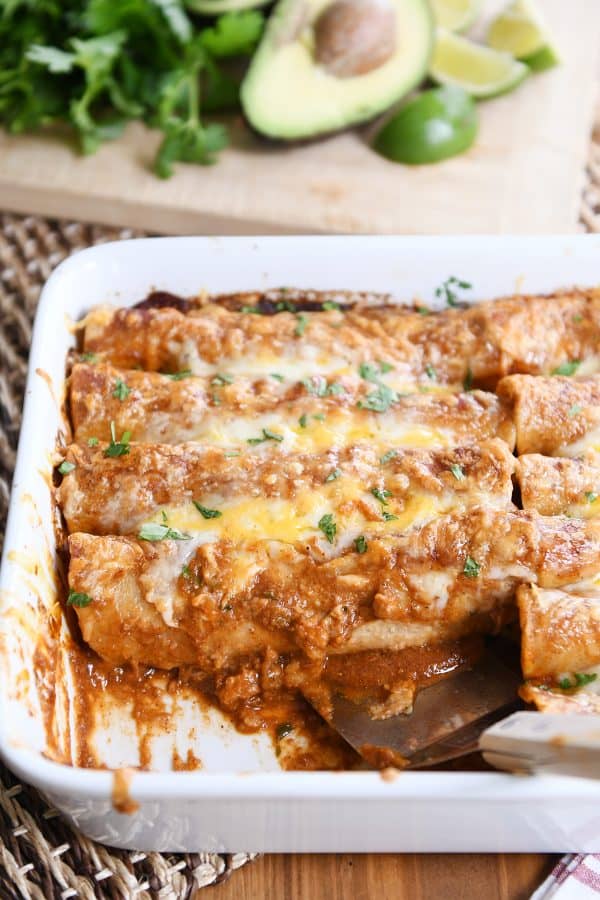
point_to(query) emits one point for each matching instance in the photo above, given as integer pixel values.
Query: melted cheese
(299, 361)
(354, 509)
(589, 442)
(337, 429)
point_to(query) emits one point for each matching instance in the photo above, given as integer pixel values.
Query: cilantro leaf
(79, 599)
(207, 513)
(178, 376)
(234, 34)
(360, 544)
(567, 368)
(328, 527)
(267, 435)
(471, 568)
(447, 290)
(155, 531)
(121, 391)
(118, 448)
(381, 494)
(379, 400)
(93, 65)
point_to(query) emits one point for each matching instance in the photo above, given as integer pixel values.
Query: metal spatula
(446, 721)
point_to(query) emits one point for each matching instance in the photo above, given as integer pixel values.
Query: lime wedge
(521, 31)
(432, 126)
(480, 71)
(455, 15)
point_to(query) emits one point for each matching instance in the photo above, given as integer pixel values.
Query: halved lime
(480, 71)
(521, 31)
(430, 127)
(455, 15)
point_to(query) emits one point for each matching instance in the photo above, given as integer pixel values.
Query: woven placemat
(41, 856)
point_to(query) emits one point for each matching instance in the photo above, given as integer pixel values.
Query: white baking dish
(239, 801)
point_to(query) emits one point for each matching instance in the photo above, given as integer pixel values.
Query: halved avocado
(324, 65)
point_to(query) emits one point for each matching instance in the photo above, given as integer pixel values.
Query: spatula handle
(566, 743)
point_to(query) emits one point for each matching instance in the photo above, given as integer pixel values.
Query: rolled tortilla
(559, 486)
(556, 416)
(485, 342)
(457, 575)
(312, 415)
(280, 496)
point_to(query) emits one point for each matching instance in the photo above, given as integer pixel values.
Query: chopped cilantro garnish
(578, 318)
(385, 367)
(591, 496)
(231, 453)
(328, 527)
(360, 544)
(277, 376)
(381, 494)
(458, 472)
(319, 417)
(318, 387)
(303, 420)
(447, 290)
(283, 730)
(567, 368)
(178, 376)
(118, 448)
(302, 322)
(267, 435)
(285, 305)
(468, 379)
(430, 372)
(369, 371)
(220, 379)
(185, 571)
(155, 531)
(78, 599)
(387, 457)
(121, 391)
(379, 400)
(66, 467)
(207, 513)
(471, 568)
(330, 305)
(574, 410)
(388, 516)
(89, 357)
(580, 679)
(423, 310)
(93, 442)
(252, 309)
(334, 475)
(315, 385)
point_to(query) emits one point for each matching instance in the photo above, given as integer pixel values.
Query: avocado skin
(268, 128)
(433, 126)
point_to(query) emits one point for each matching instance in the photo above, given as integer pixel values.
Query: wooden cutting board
(524, 174)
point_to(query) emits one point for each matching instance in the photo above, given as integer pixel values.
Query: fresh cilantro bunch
(96, 64)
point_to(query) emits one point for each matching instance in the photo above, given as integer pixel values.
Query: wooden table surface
(379, 877)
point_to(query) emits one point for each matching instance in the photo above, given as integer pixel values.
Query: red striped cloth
(575, 877)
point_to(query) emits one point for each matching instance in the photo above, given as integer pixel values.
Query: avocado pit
(354, 37)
